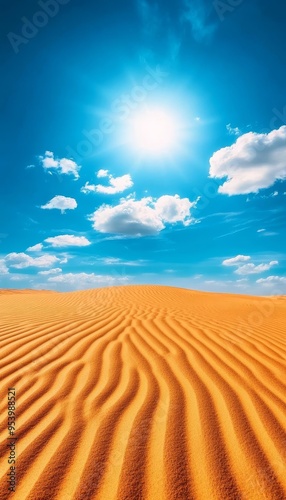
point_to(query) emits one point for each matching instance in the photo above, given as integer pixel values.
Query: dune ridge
(144, 392)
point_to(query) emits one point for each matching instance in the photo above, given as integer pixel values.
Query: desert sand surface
(144, 392)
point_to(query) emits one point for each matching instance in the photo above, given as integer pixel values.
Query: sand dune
(144, 392)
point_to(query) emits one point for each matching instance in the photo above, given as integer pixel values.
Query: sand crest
(144, 392)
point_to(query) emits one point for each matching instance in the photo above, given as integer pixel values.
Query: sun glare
(154, 132)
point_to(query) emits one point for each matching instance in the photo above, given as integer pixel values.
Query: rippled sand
(144, 392)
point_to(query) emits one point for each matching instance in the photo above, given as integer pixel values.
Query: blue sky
(84, 200)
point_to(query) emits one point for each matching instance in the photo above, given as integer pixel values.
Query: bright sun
(154, 132)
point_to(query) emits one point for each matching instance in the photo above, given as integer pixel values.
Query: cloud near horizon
(253, 269)
(249, 268)
(55, 270)
(272, 280)
(83, 280)
(234, 261)
(22, 260)
(3, 268)
(144, 217)
(255, 161)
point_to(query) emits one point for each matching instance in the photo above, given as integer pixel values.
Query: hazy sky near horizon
(90, 199)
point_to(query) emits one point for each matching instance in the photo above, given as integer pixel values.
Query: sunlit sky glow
(155, 132)
(143, 143)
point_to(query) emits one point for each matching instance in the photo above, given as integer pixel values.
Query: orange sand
(144, 392)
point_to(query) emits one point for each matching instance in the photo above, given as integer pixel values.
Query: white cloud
(133, 218)
(143, 217)
(261, 230)
(55, 270)
(88, 188)
(234, 261)
(67, 240)
(174, 209)
(111, 261)
(102, 173)
(63, 165)
(253, 162)
(253, 269)
(61, 203)
(81, 281)
(249, 268)
(272, 280)
(22, 260)
(117, 185)
(232, 130)
(35, 248)
(3, 267)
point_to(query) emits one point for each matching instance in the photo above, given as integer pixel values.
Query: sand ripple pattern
(144, 392)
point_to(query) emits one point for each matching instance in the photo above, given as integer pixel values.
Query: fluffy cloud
(63, 165)
(67, 240)
(117, 184)
(253, 269)
(55, 270)
(61, 203)
(3, 267)
(143, 217)
(234, 261)
(102, 173)
(249, 268)
(132, 218)
(174, 209)
(35, 248)
(253, 162)
(22, 260)
(88, 188)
